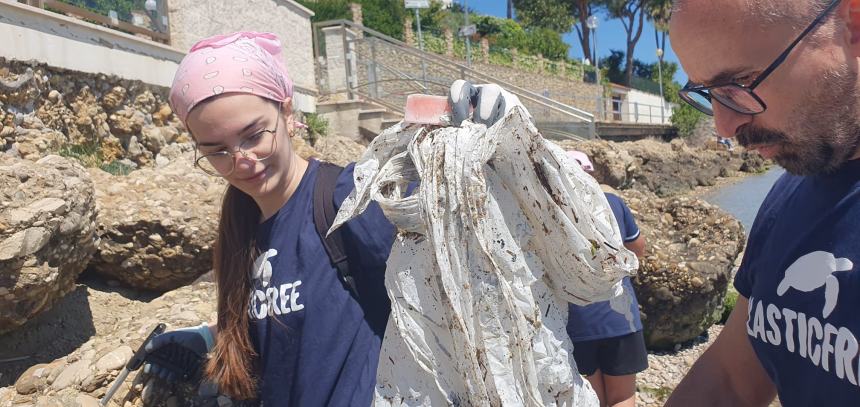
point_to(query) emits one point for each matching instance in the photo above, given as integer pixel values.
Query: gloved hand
(490, 102)
(178, 354)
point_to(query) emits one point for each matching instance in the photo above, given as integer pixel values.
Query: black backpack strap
(324, 214)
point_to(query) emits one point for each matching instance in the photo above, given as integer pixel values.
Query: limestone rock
(303, 149)
(157, 226)
(35, 378)
(45, 109)
(71, 375)
(83, 376)
(339, 150)
(665, 169)
(47, 234)
(682, 281)
(114, 360)
(113, 99)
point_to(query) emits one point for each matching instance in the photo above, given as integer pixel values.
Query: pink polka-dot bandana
(241, 62)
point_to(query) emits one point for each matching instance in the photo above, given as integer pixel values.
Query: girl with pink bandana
(290, 331)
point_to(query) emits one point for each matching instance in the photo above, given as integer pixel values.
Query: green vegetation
(387, 16)
(660, 393)
(317, 127)
(90, 156)
(729, 304)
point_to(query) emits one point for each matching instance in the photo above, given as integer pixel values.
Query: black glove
(178, 354)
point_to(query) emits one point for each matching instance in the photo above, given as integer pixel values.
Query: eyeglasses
(738, 97)
(257, 147)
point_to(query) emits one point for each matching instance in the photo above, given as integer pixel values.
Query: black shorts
(618, 356)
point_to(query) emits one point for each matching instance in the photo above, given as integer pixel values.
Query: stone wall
(575, 93)
(192, 20)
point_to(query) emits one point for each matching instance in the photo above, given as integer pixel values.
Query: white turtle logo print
(263, 268)
(812, 271)
(272, 300)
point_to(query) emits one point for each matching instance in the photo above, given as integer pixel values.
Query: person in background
(609, 350)
(726, 142)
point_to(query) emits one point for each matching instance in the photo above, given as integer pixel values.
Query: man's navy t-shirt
(318, 345)
(599, 321)
(800, 274)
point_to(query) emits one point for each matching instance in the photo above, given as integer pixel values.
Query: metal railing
(153, 25)
(611, 109)
(385, 70)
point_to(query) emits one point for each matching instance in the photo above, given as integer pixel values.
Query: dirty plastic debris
(502, 232)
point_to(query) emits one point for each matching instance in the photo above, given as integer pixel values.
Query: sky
(610, 35)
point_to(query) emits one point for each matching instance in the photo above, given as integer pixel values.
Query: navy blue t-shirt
(318, 345)
(599, 321)
(800, 275)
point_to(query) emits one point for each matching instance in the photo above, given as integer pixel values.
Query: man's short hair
(798, 13)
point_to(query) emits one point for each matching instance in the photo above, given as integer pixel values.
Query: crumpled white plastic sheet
(502, 232)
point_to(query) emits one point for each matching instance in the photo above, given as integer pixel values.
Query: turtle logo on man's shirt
(812, 271)
(267, 301)
(791, 325)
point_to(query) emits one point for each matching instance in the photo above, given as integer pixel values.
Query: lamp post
(591, 23)
(660, 79)
(468, 40)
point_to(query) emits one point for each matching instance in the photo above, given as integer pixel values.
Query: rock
(127, 122)
(35, 141)
(84, 400)
(177, 151)
(666, 169)
(79, 381)
(54, 96)
(339, 150)
(114, 360)
(33, 379)
(114, 99)
(161, 161)
(71, 375)
(152, 138)
(612, 164)
(162, 115)
(47, 234)
(145, 102)
(137, 152)
(683, 279)
(303, 149)
(51, 109)
(157, 227)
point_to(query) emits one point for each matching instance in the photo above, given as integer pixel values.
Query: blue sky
(610, 35)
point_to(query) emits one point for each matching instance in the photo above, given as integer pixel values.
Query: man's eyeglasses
(257, 147)
(738, 97)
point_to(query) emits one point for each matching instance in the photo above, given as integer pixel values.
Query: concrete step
(386, 123)
(370, 122)
(389, 115)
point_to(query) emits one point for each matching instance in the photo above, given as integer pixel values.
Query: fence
(125, 16)
(362, 62)
(614, 109)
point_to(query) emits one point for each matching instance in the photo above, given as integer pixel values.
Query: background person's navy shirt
(799, 273)
(599, 321)
(318, 346)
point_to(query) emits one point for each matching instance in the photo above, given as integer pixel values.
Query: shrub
(317, 127)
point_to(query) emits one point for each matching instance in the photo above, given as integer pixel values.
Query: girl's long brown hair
(232, 359)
